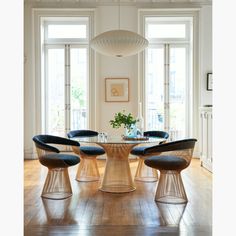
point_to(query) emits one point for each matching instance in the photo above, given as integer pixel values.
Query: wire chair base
(170, 188)
(145, 173)
(88, 169)
(57, 184)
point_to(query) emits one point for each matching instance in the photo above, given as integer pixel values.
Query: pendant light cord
(119, 14)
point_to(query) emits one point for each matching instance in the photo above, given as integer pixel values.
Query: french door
(65, 88)
(167, 89)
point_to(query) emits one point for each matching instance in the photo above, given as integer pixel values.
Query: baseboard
(207, 166)
(29, 154)
(196, 154)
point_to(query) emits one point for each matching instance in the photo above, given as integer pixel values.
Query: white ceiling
(122, 2)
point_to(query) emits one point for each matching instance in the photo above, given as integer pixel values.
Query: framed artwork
(209, 82)
(116, 89)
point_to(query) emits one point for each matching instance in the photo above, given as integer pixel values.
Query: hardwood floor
(93, 212)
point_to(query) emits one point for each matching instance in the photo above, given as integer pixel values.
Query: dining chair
(57, 184)
(175, 157)
(88, 168)
(143, 172)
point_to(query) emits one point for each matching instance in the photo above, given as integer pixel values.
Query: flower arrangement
(121, 118)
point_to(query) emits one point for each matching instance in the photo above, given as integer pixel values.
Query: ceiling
(122, 2)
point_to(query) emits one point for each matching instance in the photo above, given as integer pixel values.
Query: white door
(167, 84)
(66, 83)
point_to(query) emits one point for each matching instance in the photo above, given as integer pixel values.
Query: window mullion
(67, 89)
(188, 92)
(166, 86)
(45, 90)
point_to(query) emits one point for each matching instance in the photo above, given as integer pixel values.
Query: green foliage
(78, 96)
(122, 119)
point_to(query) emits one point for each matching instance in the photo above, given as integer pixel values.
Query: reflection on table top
(115, 140)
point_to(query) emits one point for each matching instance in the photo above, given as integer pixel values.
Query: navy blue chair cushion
(82, 133)
(171, 146)
(166, 162)
(55, 160)
(92, 150)
(156, 133)
(138, 151)
(41, 141)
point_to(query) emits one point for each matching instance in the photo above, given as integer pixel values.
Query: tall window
(65, 78)
(168, 74)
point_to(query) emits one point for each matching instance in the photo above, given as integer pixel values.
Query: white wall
(107, 67)
(205, 53)
(117, 67)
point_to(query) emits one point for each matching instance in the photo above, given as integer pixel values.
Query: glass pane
(79, 79)
(55, 100)
(67, 31)
(166, 31)
(155, 89)
(177, 92)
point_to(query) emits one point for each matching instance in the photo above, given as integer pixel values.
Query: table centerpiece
(128, 122)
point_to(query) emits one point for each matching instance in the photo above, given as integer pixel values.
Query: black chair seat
(92, 150)
(56, 160)
(138, 151)
(166, 162)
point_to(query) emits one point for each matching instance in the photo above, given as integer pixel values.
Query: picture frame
(209, 82)
(117, 89)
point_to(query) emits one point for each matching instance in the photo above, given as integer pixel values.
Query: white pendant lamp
(119, 43)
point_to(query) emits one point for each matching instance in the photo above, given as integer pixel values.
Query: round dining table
(117, 176)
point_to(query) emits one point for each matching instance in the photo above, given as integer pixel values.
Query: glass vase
(140, 121)
(131, 132)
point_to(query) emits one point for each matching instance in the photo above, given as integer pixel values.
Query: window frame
(169, 22)
(44, 100)
(58, 21)
(194, 63)
(67, 84)
(88, 93)
(38, 66)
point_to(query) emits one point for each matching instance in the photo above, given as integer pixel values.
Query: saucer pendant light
(119, 43)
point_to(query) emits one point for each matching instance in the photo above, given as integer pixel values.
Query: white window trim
(37, 14)
(188, 12)
(168, 40)
(65, 40)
